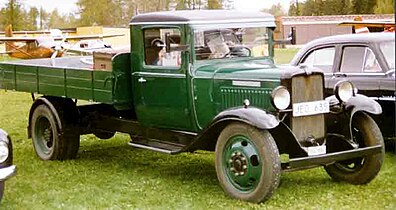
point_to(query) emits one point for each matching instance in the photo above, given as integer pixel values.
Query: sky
(67, 6)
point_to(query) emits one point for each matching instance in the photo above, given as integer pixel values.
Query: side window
(154, 47)
(353, 59)
(321, 58)
(371, 63)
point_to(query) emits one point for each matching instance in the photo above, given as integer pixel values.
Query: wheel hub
(238, 164)
(47, 134)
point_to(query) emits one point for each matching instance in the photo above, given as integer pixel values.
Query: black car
(367, 60)
(7, 170)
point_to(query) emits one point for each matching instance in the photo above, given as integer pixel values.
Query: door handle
(340, 75)
(142, 80)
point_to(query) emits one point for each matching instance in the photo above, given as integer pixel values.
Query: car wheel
(247, 162)
(50, 140)
(363, 169)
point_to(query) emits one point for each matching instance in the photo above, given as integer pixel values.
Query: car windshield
(225, 43)
(388, 50)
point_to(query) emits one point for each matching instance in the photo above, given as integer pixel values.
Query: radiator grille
(305, 89)
(231, 97)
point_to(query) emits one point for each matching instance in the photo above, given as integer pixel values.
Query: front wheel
(363, 169)
(247, 162)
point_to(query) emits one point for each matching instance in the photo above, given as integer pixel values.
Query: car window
(321, 58)
(388, 50)
(353, 59)
(371, 63)
(154, 47)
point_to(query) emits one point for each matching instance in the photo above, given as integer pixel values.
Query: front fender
(358, 103)
(253, 116)
(256, 117)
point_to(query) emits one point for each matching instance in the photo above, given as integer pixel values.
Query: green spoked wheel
(247, 162)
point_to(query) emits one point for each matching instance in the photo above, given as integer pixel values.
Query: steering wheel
(158, 43)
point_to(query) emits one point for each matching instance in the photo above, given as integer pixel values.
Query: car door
(161, 98)
(359, 64)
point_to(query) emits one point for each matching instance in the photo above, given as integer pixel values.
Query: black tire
(253, 154)
(364, 169)
(52, 141)
(104, 134)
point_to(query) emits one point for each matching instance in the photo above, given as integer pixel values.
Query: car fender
(358, 103)
(253, 116)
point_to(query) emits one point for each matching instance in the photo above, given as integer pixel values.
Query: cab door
(161, 92)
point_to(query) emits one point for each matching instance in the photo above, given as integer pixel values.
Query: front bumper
(325, 159)
(7, 172)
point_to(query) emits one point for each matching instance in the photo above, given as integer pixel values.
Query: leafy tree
(385, 7)
(13, 14)
(276, 10)
(31, 19)
(363, 6)
(214, 4)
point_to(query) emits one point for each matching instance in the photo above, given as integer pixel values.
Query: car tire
(50, 140)
(363, 169)
(247, 162)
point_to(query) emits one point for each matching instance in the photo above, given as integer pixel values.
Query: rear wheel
(53, 140)
(247, 162)
(363, 169)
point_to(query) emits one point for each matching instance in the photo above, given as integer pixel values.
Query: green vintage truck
(204, 80)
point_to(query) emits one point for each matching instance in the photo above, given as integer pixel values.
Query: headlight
(3, 151)
(344, 90)
(281, 98)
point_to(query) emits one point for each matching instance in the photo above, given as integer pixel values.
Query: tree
(363, 6)
(276, 10)
(31, 19)
(385, 7)
(214, 4)
(13, 14)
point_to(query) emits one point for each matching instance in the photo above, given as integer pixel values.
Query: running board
(156, 145)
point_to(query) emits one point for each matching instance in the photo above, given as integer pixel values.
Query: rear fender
(53, 103)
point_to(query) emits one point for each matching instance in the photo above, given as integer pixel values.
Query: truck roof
(202, 17)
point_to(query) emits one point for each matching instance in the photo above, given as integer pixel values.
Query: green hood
(260, 69)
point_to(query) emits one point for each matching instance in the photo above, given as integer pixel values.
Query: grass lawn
(108, 174)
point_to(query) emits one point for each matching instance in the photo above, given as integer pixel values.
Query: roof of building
(201, 17)
(331, 19)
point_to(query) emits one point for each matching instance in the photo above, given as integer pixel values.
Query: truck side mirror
(169, 41)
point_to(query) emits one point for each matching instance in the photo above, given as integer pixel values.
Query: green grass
(284, 56)
(108, 174)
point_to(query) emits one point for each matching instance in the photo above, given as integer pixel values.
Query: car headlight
(344, 90)
(4, 152)
(281, 98)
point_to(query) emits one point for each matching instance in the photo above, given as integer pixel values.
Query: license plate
(316, 150)
(310, 108)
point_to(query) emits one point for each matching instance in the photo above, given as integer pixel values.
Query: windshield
(224, 43)
(388, 50)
